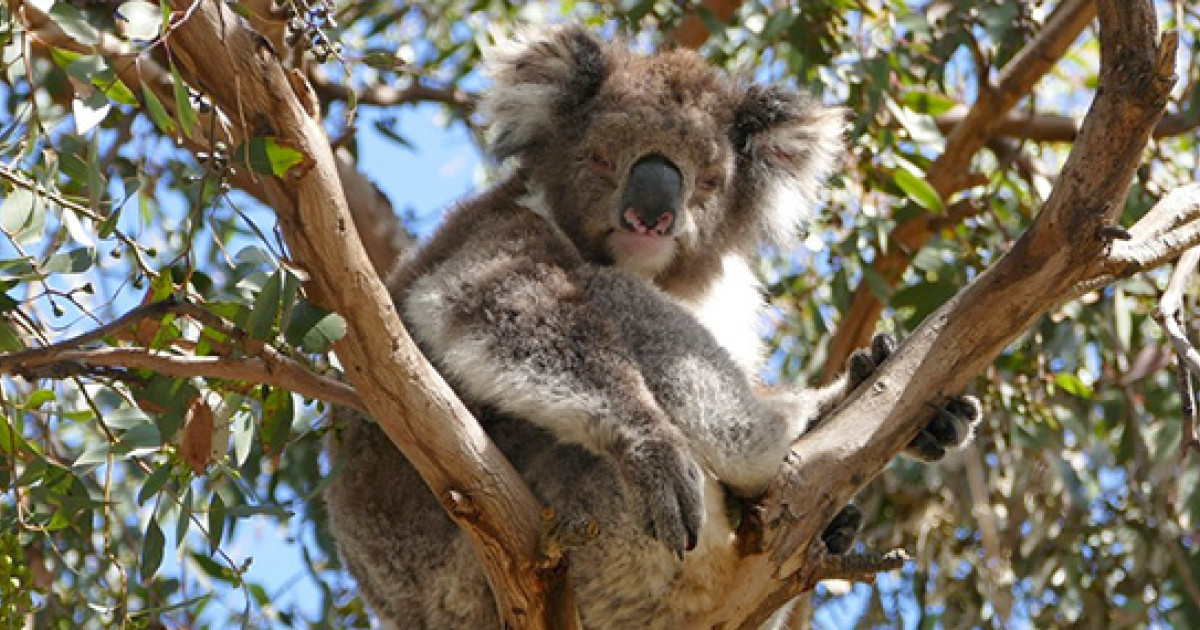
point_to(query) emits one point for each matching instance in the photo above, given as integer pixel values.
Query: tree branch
(387, 96)
(1171, 226)
(1059, 128)
(962, 337)
(1170, 315)
(404, 394)
(264, 365)
(972, 133)
(257, 370)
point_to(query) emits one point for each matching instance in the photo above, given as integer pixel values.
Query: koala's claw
(669, 485)
(840, 532)
(952, 425)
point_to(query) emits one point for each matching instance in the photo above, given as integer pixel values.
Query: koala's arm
(508, 321)
(951, 426)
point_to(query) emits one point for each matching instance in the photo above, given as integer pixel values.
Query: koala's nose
(650, 203)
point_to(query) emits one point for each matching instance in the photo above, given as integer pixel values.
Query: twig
(1039, 127)
(265, 364)
(286, 374)
(49, 353)
(386, 95)
(18, 179)
(1170, 315)
(1168, 228)
(859, 567)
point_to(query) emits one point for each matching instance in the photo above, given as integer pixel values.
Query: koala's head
(656, 164)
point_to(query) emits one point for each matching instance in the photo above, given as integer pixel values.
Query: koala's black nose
(650, 203)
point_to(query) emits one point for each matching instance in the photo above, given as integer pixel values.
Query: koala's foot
(667, 485)
(840, 532)
(952, 425)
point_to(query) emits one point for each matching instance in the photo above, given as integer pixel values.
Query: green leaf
(385, 60)
(214, 570)
(154, 483)
(38, 398)
(9, 340)
(125, 418)
(23, 215)
(313, 329)
(261, 321)
(158, 113)
(926, 102)
(183, 102)
(152, 549)
(184, 521)
(278, 415)
(10, 437)
(268, 156)
(74, 23)
(923, 298)
(243, 437)
(779, 22)
(216, 522)
(77, 260)
(95, 70)
(917, 188)
(139, 440)
(1072, 384)
(114, 88)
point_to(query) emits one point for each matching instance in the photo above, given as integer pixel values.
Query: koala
(597, 310)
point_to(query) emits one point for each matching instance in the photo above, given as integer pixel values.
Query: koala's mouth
(646, 253)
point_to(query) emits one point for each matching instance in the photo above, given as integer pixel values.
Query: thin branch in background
(1170, 315)
(263, 365)
(860, 567)
(18, 179)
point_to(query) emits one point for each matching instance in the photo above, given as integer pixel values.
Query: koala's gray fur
(597, 311)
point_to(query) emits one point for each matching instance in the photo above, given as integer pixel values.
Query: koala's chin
(646, 255)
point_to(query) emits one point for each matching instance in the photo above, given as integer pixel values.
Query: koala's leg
(523, 337)
(697, 383)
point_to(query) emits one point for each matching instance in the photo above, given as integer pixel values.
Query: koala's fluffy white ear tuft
(788, 144)
(543, 78)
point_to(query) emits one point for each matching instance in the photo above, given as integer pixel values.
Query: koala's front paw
(840, 532)
(667, 485)
(864, 361)
(952, 425)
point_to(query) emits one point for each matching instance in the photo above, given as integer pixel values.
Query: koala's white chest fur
(731, 309)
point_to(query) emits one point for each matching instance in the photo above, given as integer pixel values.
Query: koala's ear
(543, 79)
(787, 145)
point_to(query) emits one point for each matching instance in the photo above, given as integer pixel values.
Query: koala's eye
(600, 160)
(708, 182)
